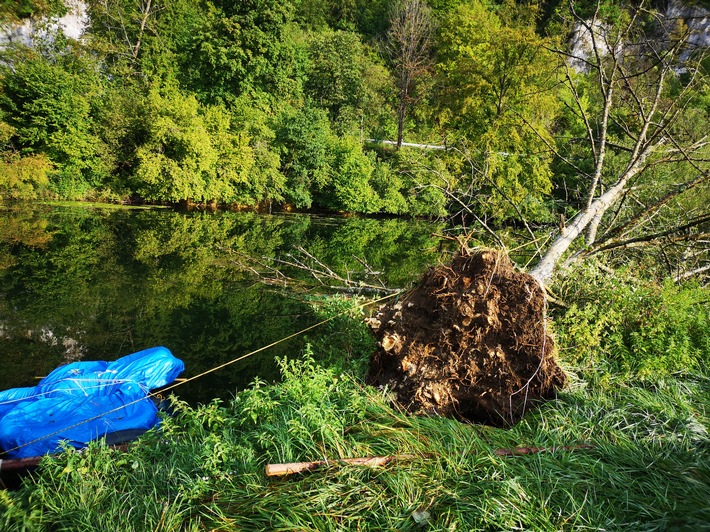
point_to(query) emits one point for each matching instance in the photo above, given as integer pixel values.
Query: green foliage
(611, 11)
(259, 103)
(334, 173)
(142, 40)
(368, 17)
(15, 10)
(345, 78)
(305, 139)
(495, 77)
(177, 157)
(391, 187)
(20, 177)
(335, 76)
(350, 189)
(48, 104)
(312, 405)
(237, 49)
(194, 152)
(426, 182)
(629, 329)
(230, 180)
(264, 181)
(345, 343)
(121, 127)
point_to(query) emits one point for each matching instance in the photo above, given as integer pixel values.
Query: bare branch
(639, 218)
(691, 273)
(644, 239)
(408, 46)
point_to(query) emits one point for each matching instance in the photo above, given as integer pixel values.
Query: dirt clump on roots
(471, 341)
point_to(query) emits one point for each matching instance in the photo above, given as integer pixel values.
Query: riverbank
(639, 395)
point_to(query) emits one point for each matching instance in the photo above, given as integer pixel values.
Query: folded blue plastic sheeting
(83, 401)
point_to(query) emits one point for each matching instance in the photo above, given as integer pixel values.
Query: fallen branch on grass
(280, 470)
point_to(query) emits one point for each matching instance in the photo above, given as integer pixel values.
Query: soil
(471, 341)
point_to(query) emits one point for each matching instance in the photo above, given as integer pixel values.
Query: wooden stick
(20, 464)
(33, 462)
(279, 470)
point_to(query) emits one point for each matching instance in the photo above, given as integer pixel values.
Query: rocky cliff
(676, 17)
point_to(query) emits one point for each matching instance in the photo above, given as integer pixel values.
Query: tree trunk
(634, 76)
(546, 267)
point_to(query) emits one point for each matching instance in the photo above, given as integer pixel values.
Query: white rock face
(697, 20)
(677, 15)
(75, 21)
(72, 24)
(582, 44)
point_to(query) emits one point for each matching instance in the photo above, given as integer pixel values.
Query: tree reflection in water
(99, 283)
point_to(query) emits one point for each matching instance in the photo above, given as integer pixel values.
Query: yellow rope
(211, 370)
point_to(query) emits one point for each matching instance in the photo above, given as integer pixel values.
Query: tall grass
(648, 468)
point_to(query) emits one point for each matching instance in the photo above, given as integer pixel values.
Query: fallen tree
(471, 340)
(645, 139)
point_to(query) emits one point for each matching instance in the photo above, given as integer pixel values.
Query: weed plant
(633, 329)
(648, 467)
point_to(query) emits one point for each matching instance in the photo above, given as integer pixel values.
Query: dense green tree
(192, 152)
(347, 79)
(391, 188)
(230, 180)
(177, 157)
(266, 182)
(143, 38)
(326, 171)
(118, 28)
(121, 126)
(304, 137)
(14, 10)
(48, 103)
(20, 177)
(496, 78)
(237, 49)
(335, 74)
(349, 188)
(366, 17)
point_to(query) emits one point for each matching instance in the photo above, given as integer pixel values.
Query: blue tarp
(83, 401)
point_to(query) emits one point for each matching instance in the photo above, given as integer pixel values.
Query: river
(97, 283)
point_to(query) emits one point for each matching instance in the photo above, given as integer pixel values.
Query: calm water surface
(99, 283)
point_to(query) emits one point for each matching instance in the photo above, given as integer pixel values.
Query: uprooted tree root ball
(470, 342)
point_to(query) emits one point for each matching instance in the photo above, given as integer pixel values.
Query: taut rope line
(211, 370)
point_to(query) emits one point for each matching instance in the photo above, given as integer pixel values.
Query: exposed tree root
(470, 342)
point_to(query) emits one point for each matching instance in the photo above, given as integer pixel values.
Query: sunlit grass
(649, 467)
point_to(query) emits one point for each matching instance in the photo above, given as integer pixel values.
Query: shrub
(346, 341)
(632, 328)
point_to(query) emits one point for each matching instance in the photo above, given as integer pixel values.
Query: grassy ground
(648, 469)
